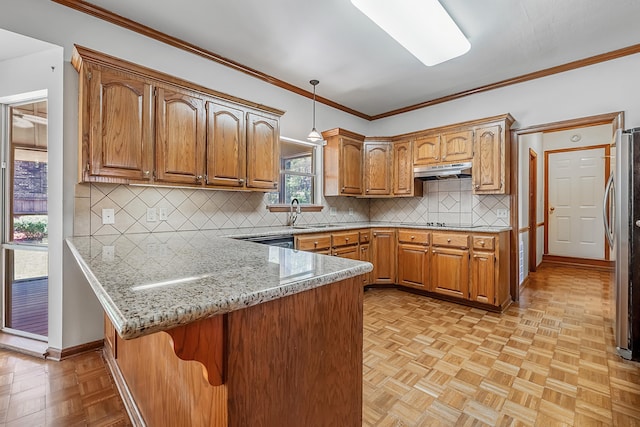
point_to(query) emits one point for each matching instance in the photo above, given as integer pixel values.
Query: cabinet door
(426, 150)
(457, 146)
(365, 255)
(483, 277)
(403, 180)
(180, 136)
(226, 149)
(488, 173)
(350, 169)
(377, 169)
(450, 272)
(384, 256)
(413, 266)
(263, 152)
(118, 135)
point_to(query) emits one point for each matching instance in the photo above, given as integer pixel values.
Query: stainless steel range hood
(453, 170)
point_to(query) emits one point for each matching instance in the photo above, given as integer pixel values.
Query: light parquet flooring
(78, 391)
(547, 361)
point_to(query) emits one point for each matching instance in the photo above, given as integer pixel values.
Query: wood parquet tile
(547, 361)
(78, 391)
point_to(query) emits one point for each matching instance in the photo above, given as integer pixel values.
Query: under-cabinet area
(141, 126)
(470, 267)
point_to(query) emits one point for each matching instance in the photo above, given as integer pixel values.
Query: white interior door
(576, 189)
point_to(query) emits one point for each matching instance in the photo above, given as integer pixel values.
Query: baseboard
(24, 345)
(597, 264)
(127, 399)
(61, 354)
(525, 282)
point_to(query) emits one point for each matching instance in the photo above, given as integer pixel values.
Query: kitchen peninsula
(203, 330)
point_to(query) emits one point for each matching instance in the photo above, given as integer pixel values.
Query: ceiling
(14, 45)
(361, 68)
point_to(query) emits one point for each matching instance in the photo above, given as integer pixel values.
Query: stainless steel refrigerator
(622, 226)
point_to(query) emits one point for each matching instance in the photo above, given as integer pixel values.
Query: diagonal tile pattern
(549, 360)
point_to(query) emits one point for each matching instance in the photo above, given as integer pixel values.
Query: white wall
(602, 88)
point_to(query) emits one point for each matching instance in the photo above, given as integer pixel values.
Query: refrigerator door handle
(607, 202)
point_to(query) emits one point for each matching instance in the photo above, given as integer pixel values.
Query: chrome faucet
(293, 214)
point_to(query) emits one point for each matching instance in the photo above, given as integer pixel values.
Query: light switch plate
(350, 211)
(501, 213)
(108, 216)
(333, 211)
(163, 214)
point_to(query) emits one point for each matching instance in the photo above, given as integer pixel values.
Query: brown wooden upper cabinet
(116, 113)
(377, 168)
(426, 150)
(404, 184)
(457, 146)
(343, 163)
(180, 136)
(490, 164)
(140, 125)
(226, 151)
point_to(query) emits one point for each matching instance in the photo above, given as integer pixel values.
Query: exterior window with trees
(297, 173)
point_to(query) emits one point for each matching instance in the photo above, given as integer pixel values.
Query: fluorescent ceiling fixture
(422, 27)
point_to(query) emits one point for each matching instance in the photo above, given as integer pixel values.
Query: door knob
(638, 223)
(551, 209)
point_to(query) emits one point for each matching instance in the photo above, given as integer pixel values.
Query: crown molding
(129, 24)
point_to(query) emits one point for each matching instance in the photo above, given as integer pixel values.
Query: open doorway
(25, 219)
(533, 209)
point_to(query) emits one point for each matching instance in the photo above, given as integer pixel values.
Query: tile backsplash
(449, 201)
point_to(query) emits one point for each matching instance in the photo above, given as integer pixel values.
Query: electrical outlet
(163, 215)
(108, 216)
(350, 211)
(151, 215)
(501, 213)
(333, 211)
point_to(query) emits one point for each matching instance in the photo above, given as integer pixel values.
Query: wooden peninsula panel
(295, 360)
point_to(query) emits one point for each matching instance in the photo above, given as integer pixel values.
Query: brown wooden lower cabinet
(383, 255)
(468, 266)
(294, 361)
(450, 272)
(413, 266)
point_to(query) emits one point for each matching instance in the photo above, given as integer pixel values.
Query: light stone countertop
(152, 282)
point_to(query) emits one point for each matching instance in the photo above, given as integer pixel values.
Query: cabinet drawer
(454, 240)
(365, 237)
(484, 242)
(311, 243)
(345, 239)
(417, 237)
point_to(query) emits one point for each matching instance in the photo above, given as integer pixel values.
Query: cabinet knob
(444, 157)
(433, 251)
(482, 243)
(146, 173)
(426, 251)
(315, 243)
(413, 237)
(199, 178)
(275, 185)
(346, 239)
(375, 234)
(342, 188)
(241, 181)
(435, 158)
(448, 240)
(476, 186)
(367, 190)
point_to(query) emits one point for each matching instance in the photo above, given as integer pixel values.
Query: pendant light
(314, 135)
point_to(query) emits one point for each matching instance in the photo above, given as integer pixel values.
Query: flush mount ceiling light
(422, 27)
(314, 135)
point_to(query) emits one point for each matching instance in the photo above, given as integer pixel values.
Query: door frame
(615, 119)
(607, 171)
(533, 210)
